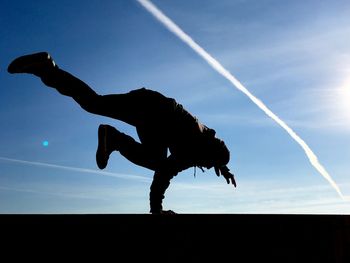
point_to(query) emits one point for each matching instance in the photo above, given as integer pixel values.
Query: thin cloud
(217, 66)
(52, 193)
(78, 169)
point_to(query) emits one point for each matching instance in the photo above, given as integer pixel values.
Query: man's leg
(110, 139)
(151, 154)
(125, 107)
(153, 158)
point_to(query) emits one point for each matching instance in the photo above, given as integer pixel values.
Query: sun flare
(342, 100)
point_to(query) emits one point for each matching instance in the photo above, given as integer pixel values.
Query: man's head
(218, 154)
(222, 154)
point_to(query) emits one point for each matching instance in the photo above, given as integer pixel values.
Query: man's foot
(105, 147)
(36, 63)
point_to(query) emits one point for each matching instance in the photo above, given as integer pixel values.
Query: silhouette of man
(161, 123)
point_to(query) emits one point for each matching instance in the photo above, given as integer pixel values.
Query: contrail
(175, 29)
(78, 169)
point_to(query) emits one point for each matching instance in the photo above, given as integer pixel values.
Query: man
(162, 124)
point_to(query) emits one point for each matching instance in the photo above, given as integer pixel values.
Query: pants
(149, 111)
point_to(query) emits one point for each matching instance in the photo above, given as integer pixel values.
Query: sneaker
(104, 149)
(34, 63)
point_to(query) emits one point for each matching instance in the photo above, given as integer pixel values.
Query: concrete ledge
(179, 238)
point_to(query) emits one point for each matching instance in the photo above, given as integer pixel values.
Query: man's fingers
(230, 177)
(217, 171)
(233, 181)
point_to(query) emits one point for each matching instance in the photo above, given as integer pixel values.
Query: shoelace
(200, 167)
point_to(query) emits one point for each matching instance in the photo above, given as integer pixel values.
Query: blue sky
(293, 55)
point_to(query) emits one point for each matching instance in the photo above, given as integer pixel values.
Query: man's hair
(221, 152)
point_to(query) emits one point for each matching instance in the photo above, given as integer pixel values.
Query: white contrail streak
(169, 24)
(77, 169)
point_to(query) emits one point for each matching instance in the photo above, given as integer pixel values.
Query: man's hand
(164, 212)
(225, 172)
(167, 212)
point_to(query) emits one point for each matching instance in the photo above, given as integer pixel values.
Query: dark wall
(177, 238)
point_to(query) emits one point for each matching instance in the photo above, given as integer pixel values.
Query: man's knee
(92, 104)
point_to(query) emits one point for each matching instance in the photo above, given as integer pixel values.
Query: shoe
(104, 148)
(34, 63)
